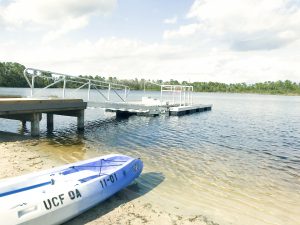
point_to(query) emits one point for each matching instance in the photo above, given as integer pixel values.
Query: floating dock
(29, 109)
(139, 109)
(126, 109)
(184, 110)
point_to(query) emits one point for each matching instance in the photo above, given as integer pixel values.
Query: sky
(187, 40)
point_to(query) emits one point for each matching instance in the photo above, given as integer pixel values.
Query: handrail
(71, 76)
(185, 93)
(180, 94)
(60, 77)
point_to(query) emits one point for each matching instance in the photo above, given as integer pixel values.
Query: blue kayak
(59, 194)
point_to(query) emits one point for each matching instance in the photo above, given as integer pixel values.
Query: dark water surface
(237, 164)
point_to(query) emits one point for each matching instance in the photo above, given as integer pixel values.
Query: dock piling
(50, 122)
(80, 120)
(35, 124)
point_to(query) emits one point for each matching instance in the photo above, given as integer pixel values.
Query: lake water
(236, 164)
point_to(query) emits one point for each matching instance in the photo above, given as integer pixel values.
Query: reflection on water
(238, 164)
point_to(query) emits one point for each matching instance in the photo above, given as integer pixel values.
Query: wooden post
(49, 121)
(35, 124)
(23, 123)
(80, 120)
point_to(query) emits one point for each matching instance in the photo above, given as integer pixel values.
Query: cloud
(263, 40)
(225, 44)
(183, 31)
(60, 16)
(243, 25)
(126, 58)
(172, 20)
(67, 26)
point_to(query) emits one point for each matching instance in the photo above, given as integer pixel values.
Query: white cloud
(117, 56)
(52, 12)
(60, 16)
(244, 25)
(183, 31)
(172, 20)
(215, 46)
(66, 26)
(125, 58)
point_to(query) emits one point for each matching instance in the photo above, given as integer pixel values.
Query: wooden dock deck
(31, 109)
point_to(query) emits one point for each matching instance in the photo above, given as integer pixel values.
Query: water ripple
(237, 164)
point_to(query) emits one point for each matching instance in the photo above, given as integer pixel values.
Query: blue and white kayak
(59, 194)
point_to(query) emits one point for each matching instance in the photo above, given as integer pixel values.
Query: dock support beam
(50, 122)
(31, 110)
(80, 120)
(35, 124)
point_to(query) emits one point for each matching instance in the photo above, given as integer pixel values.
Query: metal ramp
(108, 95)
(39, 80)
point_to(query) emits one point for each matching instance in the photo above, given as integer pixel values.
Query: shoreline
(128, 206)
(209, 92)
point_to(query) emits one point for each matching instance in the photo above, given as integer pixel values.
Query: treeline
(269, 87)
(11, 75)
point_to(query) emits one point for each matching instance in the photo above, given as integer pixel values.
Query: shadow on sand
(144, 184)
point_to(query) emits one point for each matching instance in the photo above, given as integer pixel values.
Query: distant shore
(279, 87)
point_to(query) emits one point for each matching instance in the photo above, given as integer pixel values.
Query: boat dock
(31, 110)
(28, 109)
(139, 109)
(126, 109)
(174, 100)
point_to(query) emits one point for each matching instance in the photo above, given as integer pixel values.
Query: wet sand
(126, 207)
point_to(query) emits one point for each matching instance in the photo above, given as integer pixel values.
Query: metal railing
(31, 75)
(180, 94)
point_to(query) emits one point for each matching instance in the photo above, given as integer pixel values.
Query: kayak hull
(65, 192)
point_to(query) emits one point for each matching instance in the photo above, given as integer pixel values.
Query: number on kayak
(59, 200)
(111, 179)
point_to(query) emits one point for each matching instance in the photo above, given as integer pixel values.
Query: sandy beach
(19, 155)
